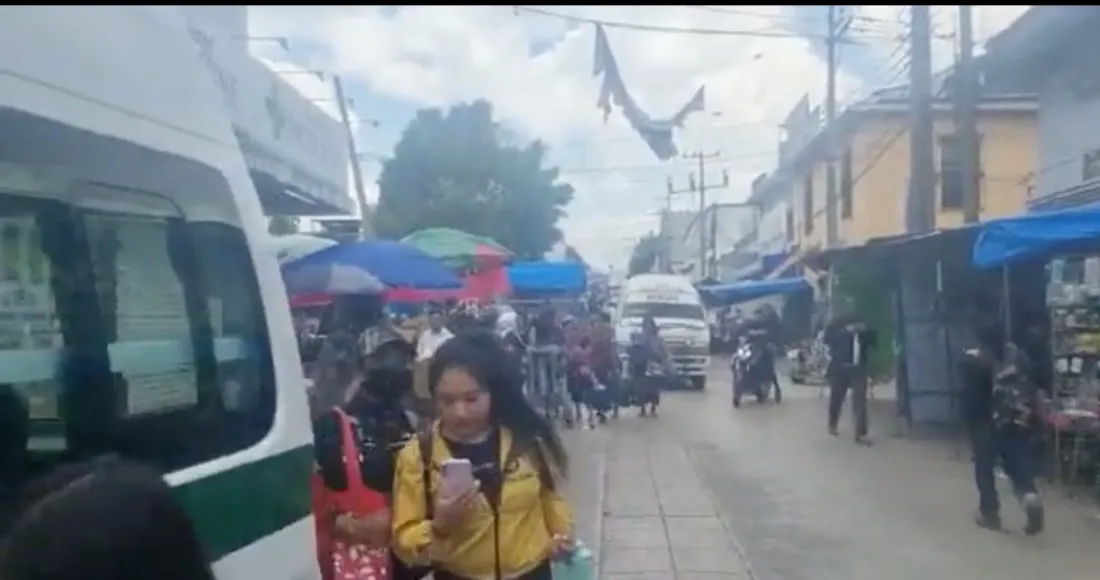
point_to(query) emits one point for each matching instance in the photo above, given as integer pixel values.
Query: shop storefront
(297, 153)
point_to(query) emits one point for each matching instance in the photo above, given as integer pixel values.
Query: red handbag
(339, 559)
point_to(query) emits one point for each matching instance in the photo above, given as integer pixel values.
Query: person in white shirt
(431, 339)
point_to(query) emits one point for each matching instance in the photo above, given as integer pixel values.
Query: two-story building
(1052, 50)
(872, 167)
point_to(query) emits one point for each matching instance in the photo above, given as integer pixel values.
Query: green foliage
(460, 169)
(281, 225)
(645, 254)
(871, 299)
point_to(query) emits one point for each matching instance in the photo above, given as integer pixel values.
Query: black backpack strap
(424, 440)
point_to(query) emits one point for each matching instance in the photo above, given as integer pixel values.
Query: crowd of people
(386, 497)
(470, 484)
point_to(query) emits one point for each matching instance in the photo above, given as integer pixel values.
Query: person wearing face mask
(355, 449)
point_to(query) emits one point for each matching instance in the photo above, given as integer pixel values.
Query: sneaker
(1033, 508)
(834, 431)
(989, 522)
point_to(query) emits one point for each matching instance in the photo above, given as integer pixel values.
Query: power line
(664, 166)
(661, 29)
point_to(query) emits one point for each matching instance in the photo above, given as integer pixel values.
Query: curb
(727, 525)
(601, 500)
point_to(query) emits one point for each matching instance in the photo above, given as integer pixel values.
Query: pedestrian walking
(850, 343)
(478, 495)
(355, 447)
(1000, 403)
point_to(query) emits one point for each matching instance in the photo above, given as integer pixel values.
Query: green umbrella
(457, 248)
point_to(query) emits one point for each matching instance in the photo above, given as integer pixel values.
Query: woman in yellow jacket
(513, 521)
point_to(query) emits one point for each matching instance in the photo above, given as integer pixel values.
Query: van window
(663, 310)
(130, 314)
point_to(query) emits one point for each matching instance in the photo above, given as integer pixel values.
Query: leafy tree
(644, 256)
(461, 169)
(280, 225)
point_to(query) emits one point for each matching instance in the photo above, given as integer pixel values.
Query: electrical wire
(660, 29)
(665, 166)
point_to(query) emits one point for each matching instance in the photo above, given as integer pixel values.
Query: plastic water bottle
(578, 565)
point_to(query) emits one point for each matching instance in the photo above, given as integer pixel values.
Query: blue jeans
(1015, 451)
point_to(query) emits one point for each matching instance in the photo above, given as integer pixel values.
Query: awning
(1006, 240)
(296, 152)
(728, 294)
(792, 260)
(548, 278)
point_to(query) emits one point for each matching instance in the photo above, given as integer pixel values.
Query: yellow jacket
(530, 515)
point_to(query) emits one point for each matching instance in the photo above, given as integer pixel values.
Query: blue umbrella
(394, 264)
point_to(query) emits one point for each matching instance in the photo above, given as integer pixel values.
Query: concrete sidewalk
(585, 487)
(660, 522)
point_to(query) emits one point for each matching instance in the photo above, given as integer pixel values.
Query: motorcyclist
(763, 330)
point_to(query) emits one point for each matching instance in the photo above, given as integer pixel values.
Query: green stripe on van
(237, 507)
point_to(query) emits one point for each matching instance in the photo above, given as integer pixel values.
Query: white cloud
(438, 55)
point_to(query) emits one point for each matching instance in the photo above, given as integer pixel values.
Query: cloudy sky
(537, 72)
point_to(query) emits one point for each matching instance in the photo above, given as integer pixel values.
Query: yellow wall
(880, 167)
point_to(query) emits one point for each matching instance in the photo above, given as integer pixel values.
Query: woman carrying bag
(502, 517)
(355, 448)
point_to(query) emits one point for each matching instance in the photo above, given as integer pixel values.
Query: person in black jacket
(381, 424)
(999, 403)
(765, 328)
(850, 342)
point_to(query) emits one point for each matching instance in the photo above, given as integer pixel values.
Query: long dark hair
(481, 354)
(106, 518)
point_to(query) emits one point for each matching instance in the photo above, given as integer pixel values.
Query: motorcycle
(751, 374)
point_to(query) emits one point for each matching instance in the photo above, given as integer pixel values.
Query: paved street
(706, 492)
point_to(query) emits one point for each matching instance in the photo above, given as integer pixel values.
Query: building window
(847, 184)
(789, 225)
(808, 204)
(951, 172)
(131, 319)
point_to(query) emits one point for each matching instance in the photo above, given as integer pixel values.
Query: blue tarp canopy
(394, 264)
(547, 278)
(738, 292)
(1005, 240)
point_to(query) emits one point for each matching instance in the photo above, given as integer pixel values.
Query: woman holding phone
(477, 496)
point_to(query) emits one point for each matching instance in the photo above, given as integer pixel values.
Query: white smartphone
(458, 476)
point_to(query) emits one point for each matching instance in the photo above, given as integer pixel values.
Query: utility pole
(966, 120)
(838, 26)
(366, 227)
(920, 207)
(701, 187)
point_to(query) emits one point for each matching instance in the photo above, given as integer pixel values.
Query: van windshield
(663, 310)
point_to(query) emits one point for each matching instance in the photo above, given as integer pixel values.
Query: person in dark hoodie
(1000, 403)
(850, 343)
(381, 425)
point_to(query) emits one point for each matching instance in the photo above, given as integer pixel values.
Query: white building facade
(297, 153)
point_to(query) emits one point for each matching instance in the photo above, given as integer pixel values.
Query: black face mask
(389, 383)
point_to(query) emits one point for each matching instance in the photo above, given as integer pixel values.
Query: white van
(140, 310)
(678, 311)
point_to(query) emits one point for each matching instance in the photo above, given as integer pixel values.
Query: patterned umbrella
(458, 249)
